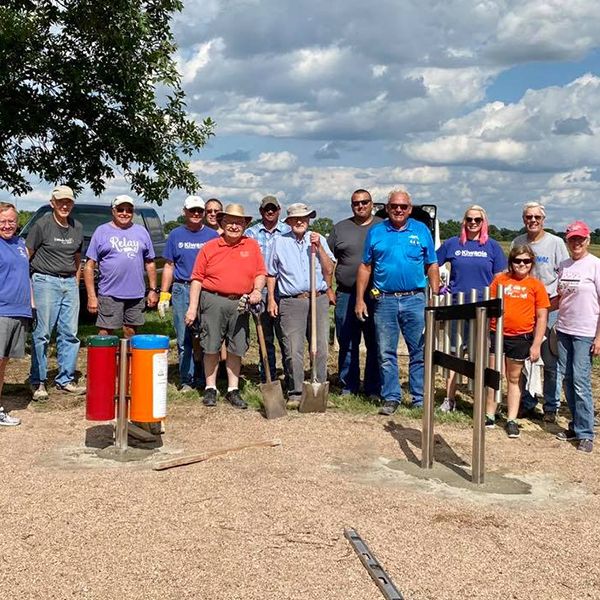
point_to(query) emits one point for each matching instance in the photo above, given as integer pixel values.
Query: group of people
(218, 271)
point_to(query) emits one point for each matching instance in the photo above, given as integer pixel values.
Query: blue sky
(460, 102)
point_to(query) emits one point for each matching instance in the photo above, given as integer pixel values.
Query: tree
(170, 225)
(88, 91)
(324, 226)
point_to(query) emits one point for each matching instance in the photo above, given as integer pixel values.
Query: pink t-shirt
(579, 296)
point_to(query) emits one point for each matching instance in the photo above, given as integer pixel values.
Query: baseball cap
(577, 228)
(193, 202)
(269, 200)
(123, 199)
(62, 192)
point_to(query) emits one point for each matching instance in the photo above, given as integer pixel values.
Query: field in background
(594, 248)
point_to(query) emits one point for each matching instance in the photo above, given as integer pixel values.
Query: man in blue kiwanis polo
(182, 247)
(399, 254)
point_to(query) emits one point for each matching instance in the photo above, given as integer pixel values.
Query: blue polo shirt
(398, 257)
(183, 246)
(289, 262)
(264, 237)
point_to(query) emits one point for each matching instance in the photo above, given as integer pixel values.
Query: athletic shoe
(512, 429)
(210, 397)
(388, 408)
(71, 388)
(585, 446)
(186, 389)
(293, 401)
(490, 423)
(39, 392)
(7, 420)
(550, 416)
(568, 435)
(234, 398)
(448, 405)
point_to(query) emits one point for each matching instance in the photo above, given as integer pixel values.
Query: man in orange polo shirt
(226, 268)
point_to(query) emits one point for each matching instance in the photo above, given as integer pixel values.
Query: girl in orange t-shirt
(526, 306)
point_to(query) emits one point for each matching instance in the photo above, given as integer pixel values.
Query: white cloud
(276, 161)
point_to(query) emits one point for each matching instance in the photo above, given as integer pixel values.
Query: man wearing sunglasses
(399, 256)
(122, 250)
(264, 232)
(550, 250)
(347, 241)
(181, 249)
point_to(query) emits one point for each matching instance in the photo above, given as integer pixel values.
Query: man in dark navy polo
(399, 255)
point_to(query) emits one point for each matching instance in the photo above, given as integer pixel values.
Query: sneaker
(7, 420)
(448, 405)
(512, 429)
(388, 408)
(293, 402)
(550, 417)
(568, 435)
(71, 388)
(186, 389)
(210, 397)
(39, 392)
(585, 446)
(234, 398)
(490, 423)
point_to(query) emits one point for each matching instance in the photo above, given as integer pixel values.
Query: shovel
(272, 394)
(314, 394)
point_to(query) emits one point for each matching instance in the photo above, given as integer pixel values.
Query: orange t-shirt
(522, 297)
(229, 269)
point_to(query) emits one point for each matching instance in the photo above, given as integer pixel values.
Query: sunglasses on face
(399, 206)
(125, 209)
(270, 208)
(476, 220)
(196, 211)
(212, 211)
(360, 202)
(521, 261)
(533, 217)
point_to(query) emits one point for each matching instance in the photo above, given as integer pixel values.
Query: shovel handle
(263, 347)
(313, 311)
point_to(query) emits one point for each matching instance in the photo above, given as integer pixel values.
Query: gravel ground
(267, 523)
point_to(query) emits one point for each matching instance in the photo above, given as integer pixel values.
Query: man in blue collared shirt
(399, 253)
(264, 233)
(288, 278)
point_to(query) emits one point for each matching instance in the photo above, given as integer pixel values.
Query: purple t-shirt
(121, 254)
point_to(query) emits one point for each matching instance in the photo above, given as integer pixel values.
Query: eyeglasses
(213, 211)
(125, 209)
(476, 220)
(399, 206)
(7, 223)
(534, 217)
(271, 208)
(521, 261)
(195, 210)
(360, 202)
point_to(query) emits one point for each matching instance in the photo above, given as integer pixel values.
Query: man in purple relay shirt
(122, 250)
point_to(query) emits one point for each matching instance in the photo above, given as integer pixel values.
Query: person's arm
(324, 258)
(88, 278)
(256, 293)
(192, 312)
(77, 267)
(166, 279)
(541, 319)
(433, 274)
(272, 307)
(363, 275)
(152, 294)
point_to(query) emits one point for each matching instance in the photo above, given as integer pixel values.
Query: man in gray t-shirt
(549, 251)
(346, 242)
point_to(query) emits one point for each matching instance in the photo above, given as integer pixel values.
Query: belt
(228, 296)
(56, 275)
(182, 281)
(406, 293)
(302, 295)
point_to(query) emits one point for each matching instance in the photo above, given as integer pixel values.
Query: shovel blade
(314, 397)
(273, 400)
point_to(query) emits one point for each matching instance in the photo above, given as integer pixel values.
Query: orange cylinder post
(149, 368)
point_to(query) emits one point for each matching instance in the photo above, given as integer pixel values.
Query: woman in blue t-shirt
(474, 259)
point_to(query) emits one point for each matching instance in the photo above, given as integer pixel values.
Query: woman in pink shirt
(578, 329)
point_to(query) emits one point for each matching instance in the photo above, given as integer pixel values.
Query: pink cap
(577, 228)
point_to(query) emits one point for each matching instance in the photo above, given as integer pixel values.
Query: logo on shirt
(471, 253)
(244, 253)
(516, 291)
(125, 246)
(542, 259)
(414, 240)
(22, 252)
(190, 245)
(64, 241)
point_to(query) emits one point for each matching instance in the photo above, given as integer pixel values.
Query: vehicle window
(155, 226)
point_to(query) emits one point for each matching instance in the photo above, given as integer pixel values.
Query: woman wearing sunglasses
(474, 259)
(526, 306)
(212, 209)
(578, 329)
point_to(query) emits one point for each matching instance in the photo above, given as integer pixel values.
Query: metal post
(471, 342)
(499, 346)
(446, 346)
(478, 456)
(460, 330)
(436, 333)
(121, 429)
(428, 392)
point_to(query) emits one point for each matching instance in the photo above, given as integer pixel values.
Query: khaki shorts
(221, 322)
(13, 331)
(113, 313)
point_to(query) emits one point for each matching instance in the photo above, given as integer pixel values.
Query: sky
(460, 102)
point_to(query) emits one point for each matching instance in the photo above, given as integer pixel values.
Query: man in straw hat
(225, 269)
(289, 276)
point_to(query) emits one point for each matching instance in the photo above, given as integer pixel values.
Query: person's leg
(565, 368)
(3, 363)
(67, 342)
(513, 393)
(583, 417)
(234, 364)
(371, 379)
(293, 314)
(490, 402)
(46, 293)
(5, 419)
(551, 379)
(347, 331)
(268, 326)
(322, 337)
(412, 324)
(387, 330)
(180, 299)
(211, 366)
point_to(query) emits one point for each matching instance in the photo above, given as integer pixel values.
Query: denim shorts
(113, 313)
(516, 347)
(13, 331)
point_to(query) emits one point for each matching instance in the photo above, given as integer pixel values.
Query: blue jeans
(190, 373)
(57, 304)
(348, 331)
(393, 315)
(575, 365)
(551, 385)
